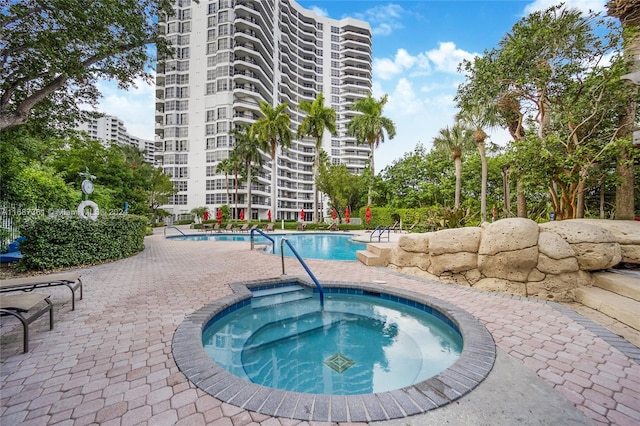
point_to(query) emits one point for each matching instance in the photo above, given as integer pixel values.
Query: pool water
(308, 245)
(356, 344)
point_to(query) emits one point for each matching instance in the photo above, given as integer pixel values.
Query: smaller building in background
(110, 128)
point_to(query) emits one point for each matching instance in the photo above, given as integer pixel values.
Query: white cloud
(583, 5)
(319, 11)
(447, 57)
(386, 68)
(383, 19)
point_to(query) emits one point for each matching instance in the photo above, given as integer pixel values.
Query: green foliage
(343, 188)
(54, 53)
(69, 241)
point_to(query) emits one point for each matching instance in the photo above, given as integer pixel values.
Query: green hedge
(60, 242)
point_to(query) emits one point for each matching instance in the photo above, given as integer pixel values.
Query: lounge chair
(268, 227)
(301, 226)
(71, 280)
(244, 228)
(229, 227)
(395, 227)
(216, 227)
(207, 227)
(27, 307)
(333, 227)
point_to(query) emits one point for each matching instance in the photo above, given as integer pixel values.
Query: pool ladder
(381, 230)
(295, 252)
(177, 229)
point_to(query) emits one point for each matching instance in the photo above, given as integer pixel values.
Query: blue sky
(417, 46)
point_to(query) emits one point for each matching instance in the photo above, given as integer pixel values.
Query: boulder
(549, 265)
(560, 288)
(404, 259)
(453, 262)
(507, 235)
(536, 275)
(416, 243)
(626, 233)
(455, 240)
(595, 247)
(513, 265)
(501, 286)
(554, 246)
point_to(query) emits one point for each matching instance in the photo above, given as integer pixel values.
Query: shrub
(68, 241)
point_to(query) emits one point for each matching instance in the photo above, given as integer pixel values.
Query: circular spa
(365, 353)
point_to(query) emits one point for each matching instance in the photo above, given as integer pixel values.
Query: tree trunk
(249, 192)
(373, 171)
(624, 190)
(602, 213)
(522, 200)
(316, 176)
(483, 187)
(458, 164)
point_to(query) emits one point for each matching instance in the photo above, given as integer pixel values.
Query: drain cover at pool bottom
(339, 362)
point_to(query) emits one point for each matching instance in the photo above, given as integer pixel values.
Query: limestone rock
(513, 265)
(501, 286)
(536, 275)
(472, 276)
(416, 243)
(453, 262)
(508, 235)
(593, 257)
(455, 240)
(549, 265)
(626, 233)
(574, 232)
(553, 245)
(560, 288)
(405, 259)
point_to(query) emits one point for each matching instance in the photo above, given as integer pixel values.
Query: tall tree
(160, 189)
(455, 140)
(274, 129)
(628, 12)
(52, 53)
(370, 126)
(317, 119)
(564, 88)
(249, 150)
(226, 166)
(480, 117)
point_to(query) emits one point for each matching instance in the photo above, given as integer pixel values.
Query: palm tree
(318, 118)
(225, 166)
(274, 128)
(249, 150)
(455, 140)
(628, 12)
(478, 117)
(369, 127)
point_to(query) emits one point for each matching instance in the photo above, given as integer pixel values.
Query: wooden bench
(71, 280)
(27, 307)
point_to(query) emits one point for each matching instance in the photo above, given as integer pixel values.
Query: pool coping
(472, 367)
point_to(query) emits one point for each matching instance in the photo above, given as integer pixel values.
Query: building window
(211, 115)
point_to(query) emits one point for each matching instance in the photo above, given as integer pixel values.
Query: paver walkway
(109, 362)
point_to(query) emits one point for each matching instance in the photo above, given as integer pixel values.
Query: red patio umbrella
(346, 215)
(219, 216)
(367, 214)
(269, 215)
(205, 215)
(334, 214)
(241, 214)
(302, 215)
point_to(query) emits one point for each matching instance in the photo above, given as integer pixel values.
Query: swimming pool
(352, 344)
(309, 245)
(471, 368)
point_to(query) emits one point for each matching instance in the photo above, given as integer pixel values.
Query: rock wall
(519, 256)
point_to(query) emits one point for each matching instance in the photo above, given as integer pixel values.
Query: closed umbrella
(205, 215)
(241, 214)
(334, 214)
(367, 214)
(302, 215)
(346, 215)
(269, 215)
(219, 216)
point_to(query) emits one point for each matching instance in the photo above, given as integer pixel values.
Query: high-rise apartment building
(110, 128)
(229, 56)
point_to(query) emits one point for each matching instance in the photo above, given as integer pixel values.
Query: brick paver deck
(109, 362)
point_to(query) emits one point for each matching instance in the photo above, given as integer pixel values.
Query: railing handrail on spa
(304, 265)
(165, 230)
(381, 230)
(259, 231)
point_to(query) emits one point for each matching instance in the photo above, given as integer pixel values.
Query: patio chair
(333, 227)
(244, 228)
(268, 227)
(229, 227)
(395, 227)
(216, 227)
(26, 307)
(301, 226)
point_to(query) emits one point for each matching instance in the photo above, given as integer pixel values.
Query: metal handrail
(381, 230)
(304, 265)
(259, 231)
(165, 230)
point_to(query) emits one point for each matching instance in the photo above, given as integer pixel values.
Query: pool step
(279, 295)
(376, 254)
